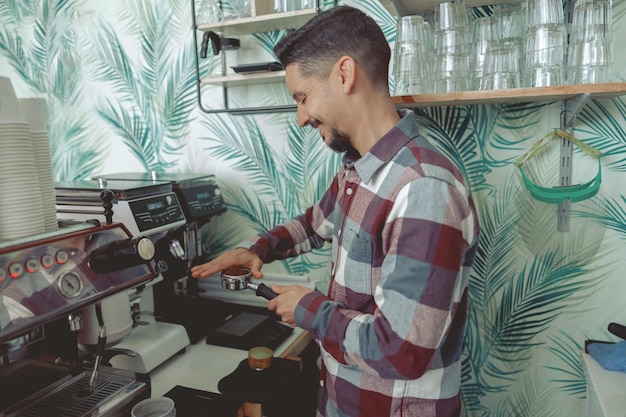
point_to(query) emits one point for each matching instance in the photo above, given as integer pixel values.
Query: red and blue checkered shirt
(404, 233)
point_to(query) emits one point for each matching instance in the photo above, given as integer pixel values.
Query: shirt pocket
(357, 270)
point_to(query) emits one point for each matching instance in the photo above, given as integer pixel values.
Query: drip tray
(115, 394)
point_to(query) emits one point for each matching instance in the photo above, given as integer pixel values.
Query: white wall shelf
(235, 80)
(260, 23)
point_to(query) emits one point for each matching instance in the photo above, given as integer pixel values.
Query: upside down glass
(501, 68)
(450, 15)
(411, 61)
(590, 52)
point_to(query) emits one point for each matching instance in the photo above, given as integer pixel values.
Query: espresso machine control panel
(199, 194)
(144, 207)
(48, 278)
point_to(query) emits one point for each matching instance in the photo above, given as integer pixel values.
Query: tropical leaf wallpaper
(120, 81)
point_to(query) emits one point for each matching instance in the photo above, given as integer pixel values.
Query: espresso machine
(176, 297)
(148, 209)
(47, 283)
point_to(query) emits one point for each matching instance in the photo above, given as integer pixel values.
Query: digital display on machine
(241, 324)
(155, 205)
(202, 196)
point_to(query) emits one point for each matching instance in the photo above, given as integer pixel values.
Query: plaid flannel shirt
(404, 233)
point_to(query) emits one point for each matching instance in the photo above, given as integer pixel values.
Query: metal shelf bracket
(571, 109)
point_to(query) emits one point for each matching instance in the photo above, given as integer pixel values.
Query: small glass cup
(451, 15)
(484, 37)
(452, 72)
(592, 20)
(590, 62)
(412, 74)
(241, 8)
(545, 12)
(501, 68)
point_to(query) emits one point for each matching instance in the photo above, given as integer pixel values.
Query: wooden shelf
(234, 80)
(512, 95)
(261, 23)
(410, 7)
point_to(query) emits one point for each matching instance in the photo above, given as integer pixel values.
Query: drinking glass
(592, 20)
(451, 14)
(545, 12)
(241, 8)
(411, 57)
(544, 56)
(501, 68)
(452, 72)
(209, 12)
(590, 52)
(590, 62)
(484, 37)
(412, 74)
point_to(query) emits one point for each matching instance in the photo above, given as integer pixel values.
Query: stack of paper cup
(21, 211)
(36, 114)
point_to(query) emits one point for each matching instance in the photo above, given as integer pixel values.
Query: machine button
(3, 274)
(47, 261)
(16, 270)
(32, 265)
(62, 257)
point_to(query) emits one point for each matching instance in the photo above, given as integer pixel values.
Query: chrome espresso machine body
(176, 296)
(46, 281)
(150, 209)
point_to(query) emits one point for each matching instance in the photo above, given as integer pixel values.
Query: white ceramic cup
(154, 407)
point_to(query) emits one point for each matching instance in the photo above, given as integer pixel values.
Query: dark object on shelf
(618, 330)
(258, 67)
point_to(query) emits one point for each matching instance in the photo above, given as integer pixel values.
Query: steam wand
(102, 340)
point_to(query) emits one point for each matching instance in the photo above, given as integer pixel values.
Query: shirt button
(321, 382)
(349, 191)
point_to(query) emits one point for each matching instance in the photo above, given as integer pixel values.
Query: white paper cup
(154, 407)
(35, 111)
(10, 110)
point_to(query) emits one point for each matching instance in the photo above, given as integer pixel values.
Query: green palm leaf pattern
(449, 130)
(47, 64)
(567, 351)
(533, 292)
(278, 184)
(153, 106)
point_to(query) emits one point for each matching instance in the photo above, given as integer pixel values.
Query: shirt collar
(385, 148)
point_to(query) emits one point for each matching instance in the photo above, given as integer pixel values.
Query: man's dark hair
(340, 31)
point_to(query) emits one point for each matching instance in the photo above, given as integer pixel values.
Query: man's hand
(285, 303)
(236, 257)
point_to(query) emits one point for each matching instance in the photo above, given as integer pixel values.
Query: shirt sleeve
(429, 245)
(302, 234)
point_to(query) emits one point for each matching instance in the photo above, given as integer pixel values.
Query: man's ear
(347, 73)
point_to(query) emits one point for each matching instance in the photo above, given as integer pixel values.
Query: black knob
(107, 202)
(122, 254)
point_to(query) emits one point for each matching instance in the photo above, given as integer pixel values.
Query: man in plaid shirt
(403, 229)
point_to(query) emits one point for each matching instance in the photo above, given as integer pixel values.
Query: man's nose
(303, 118)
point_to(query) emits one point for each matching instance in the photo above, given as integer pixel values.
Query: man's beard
(338, 141)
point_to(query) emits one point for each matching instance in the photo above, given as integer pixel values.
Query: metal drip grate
(74, 400)
(24, 380)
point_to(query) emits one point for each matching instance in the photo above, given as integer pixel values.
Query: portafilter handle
(262, 290)
(242, 280)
